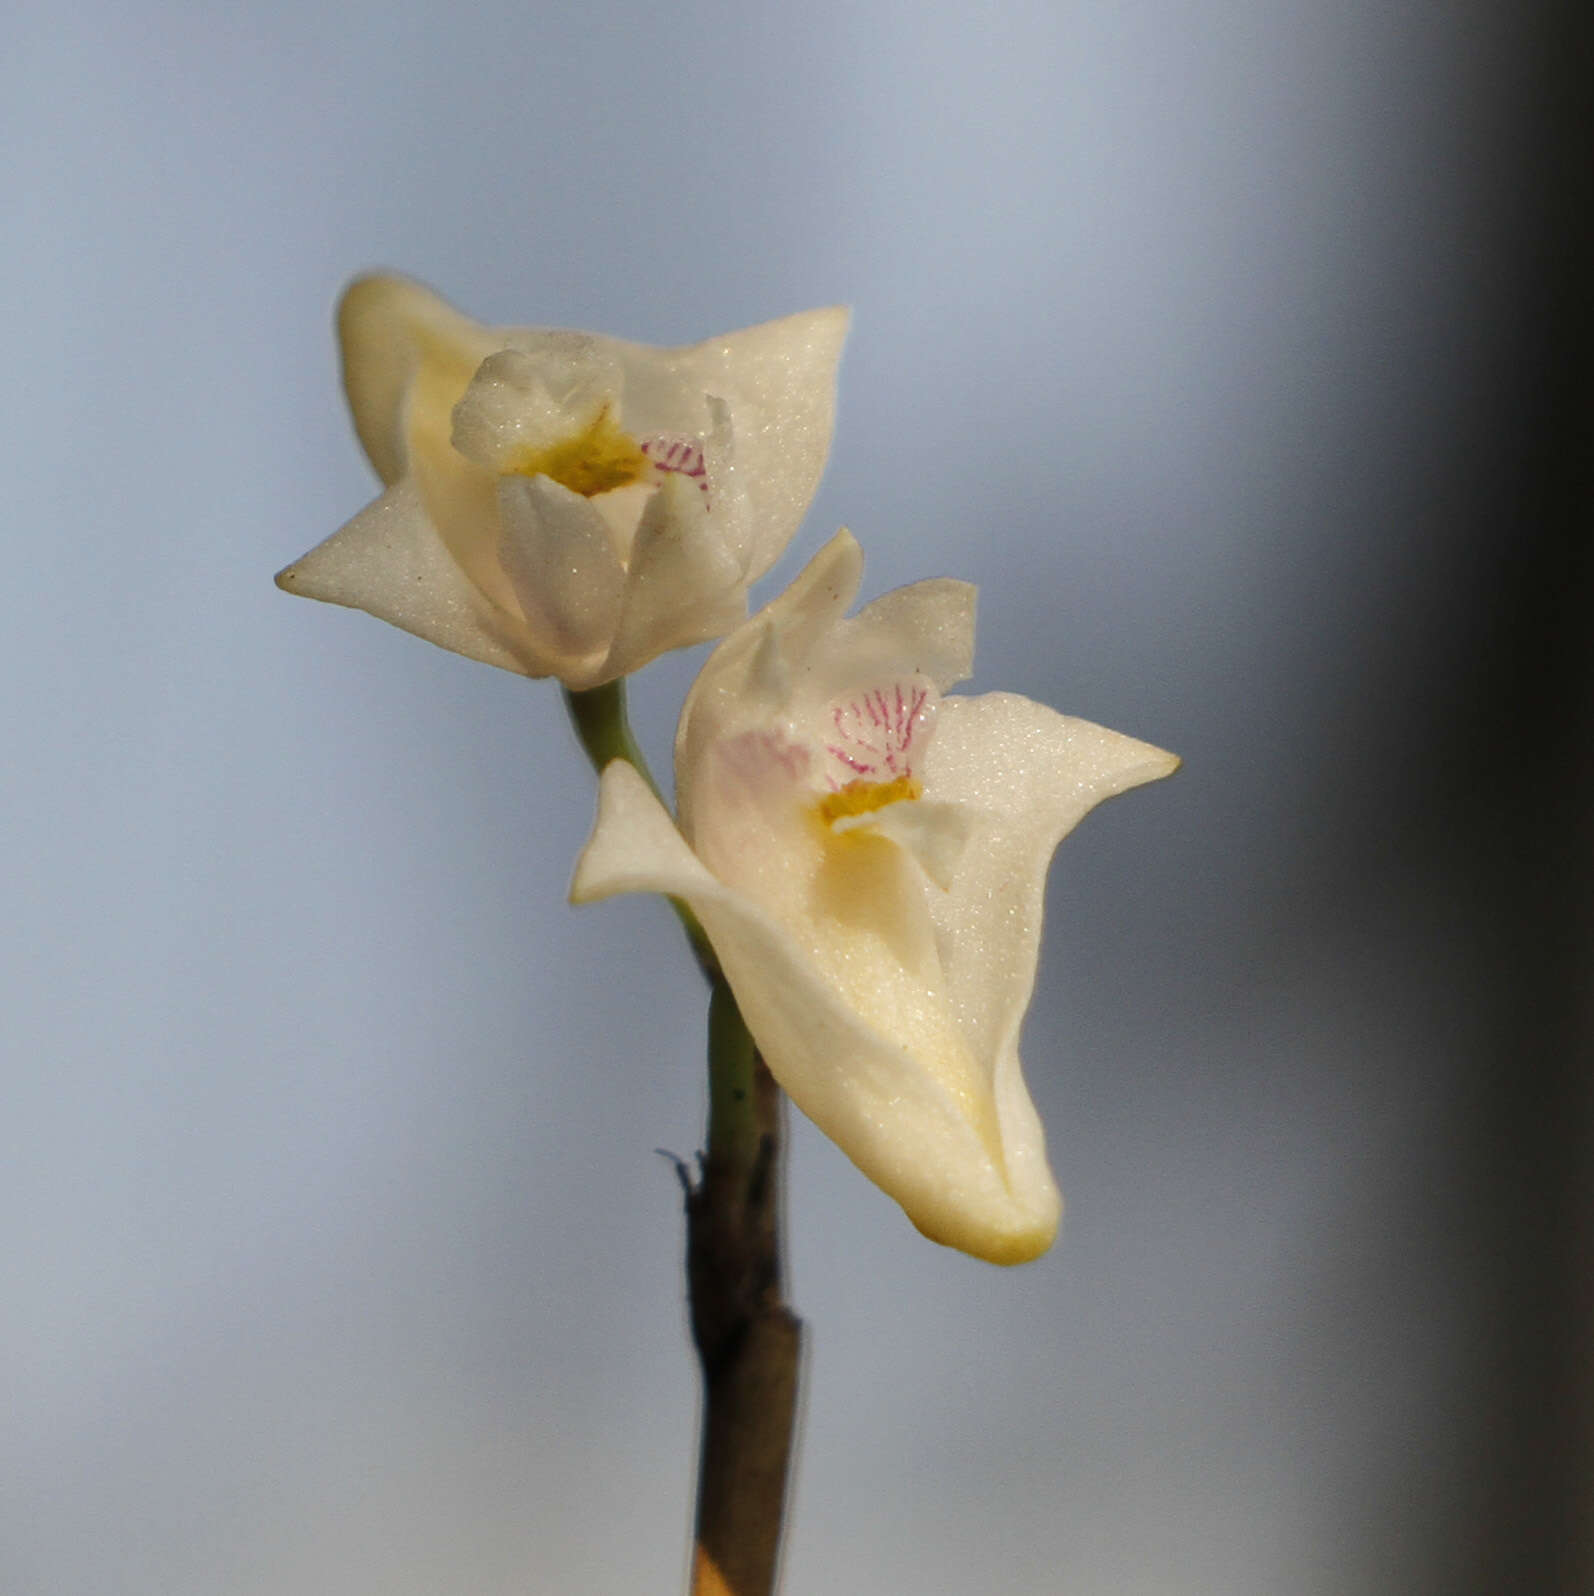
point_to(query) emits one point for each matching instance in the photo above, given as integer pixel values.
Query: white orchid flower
(868, 859)
(561, 504)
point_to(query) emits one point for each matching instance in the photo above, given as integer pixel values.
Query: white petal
(1029, 775)
(889, 1110)
(634, 844)
(779, 381)
(925, 629)
(558, 555)
(778, 384)
(790, 623)
(769, 673)
(683, 585)
(408, 356)
(736, 514)
(390, 562)
(396, 336)
(621, 509)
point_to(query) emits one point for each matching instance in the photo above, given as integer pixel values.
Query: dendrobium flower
(868, 859)
(562, 504)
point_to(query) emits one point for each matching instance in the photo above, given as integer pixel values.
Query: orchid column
(858, 857)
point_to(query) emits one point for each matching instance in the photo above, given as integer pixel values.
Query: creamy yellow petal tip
(1006, 1248)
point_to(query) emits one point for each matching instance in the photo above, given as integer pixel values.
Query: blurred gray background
(1235, 350)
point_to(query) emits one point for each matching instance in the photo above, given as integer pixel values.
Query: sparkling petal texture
(699, 462)
(881, 939)
(390, 562)
(557, 552)
(684, 585)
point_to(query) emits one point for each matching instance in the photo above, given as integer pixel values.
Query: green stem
(599, 717)
(604, 729)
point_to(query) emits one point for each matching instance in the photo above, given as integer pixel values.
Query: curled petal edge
(1000, 756)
